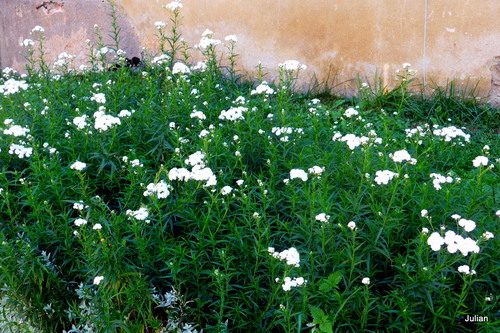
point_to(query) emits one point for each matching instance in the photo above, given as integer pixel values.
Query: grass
(220, 204)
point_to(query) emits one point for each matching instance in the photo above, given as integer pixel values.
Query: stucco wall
(446, 39)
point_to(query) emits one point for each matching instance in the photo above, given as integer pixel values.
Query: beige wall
(445, 39)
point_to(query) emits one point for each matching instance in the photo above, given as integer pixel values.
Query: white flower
(196, 159)
(289, 283)
(97, 226)
(468, 225)
(384, 176)
(351, 112)
(79, 205)
(181, 68)
(322, 217)
(38, 29)
(466, 270)
(231, 38)
(140, 214)
(206, 42)
(316, 170)
(161, 189)
(124, 113)
(80, 222)
(198, 114)
(487, 235)
(233, 114)
(16, 130)
(98, 98)
(80, 122)
(27, 42)
(291, 65)
(406, 65)
(12, 86)
(424, 212)
(226, 190)
(435, 241)
(105, 121)
(174, 5)
(352, 225)
(98, 279)
(262, 88)
(78, 166)
(425, 230)
(402, 155)
(291, 256)
(365, 281)
(160, 24)
(480, 160)
(298, 173)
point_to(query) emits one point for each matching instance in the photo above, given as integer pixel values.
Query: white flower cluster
(291, 256)
(98, 98)
(466, 270)
(206, 41)
(233, 113)
(81, 122)
(291, 65)
(79, 166)
(20, 150)
(454, 243)
(180, 68)
(354, 141)
(199, 171)
(141, 214)
(480, 160)
(262, 88)
(450, 133)
(289, 283)
(63, 60)
(160, 60)
(160, 189)
(401, 156)
(384, 176)
(79, 222)
(351, 112)
(438, 179)
(12, 86)
(80, 205)
(104, 121)
(322, 217)
(16, 130)
(174, 5)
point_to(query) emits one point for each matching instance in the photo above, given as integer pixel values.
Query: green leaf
(326, 327)
(316, 313)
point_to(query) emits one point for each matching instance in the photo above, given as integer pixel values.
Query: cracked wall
(443, 40)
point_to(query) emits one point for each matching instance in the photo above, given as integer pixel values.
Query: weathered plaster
(443, 40)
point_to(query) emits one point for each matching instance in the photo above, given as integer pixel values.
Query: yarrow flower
(468, 225)
(16, 130)
(298, 173)
(289, 283)
(322, 217)
(12, 86)
(233, 114)
(480, 160)
(80, 222)
(262, 88)
(78, 166)
(141, 214)
(98, 280)
(401, 156)
(384, 176)
(98, 98)
(180, 68)
(466, 270)
(352, 225)
(439, 179)
(291, 256)
(291, 65)
(174, 5)
(160, 189)
(351, 112)
(365, 281)
(454, 243)
(105, 121)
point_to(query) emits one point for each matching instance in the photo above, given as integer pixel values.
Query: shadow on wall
(67, 24)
